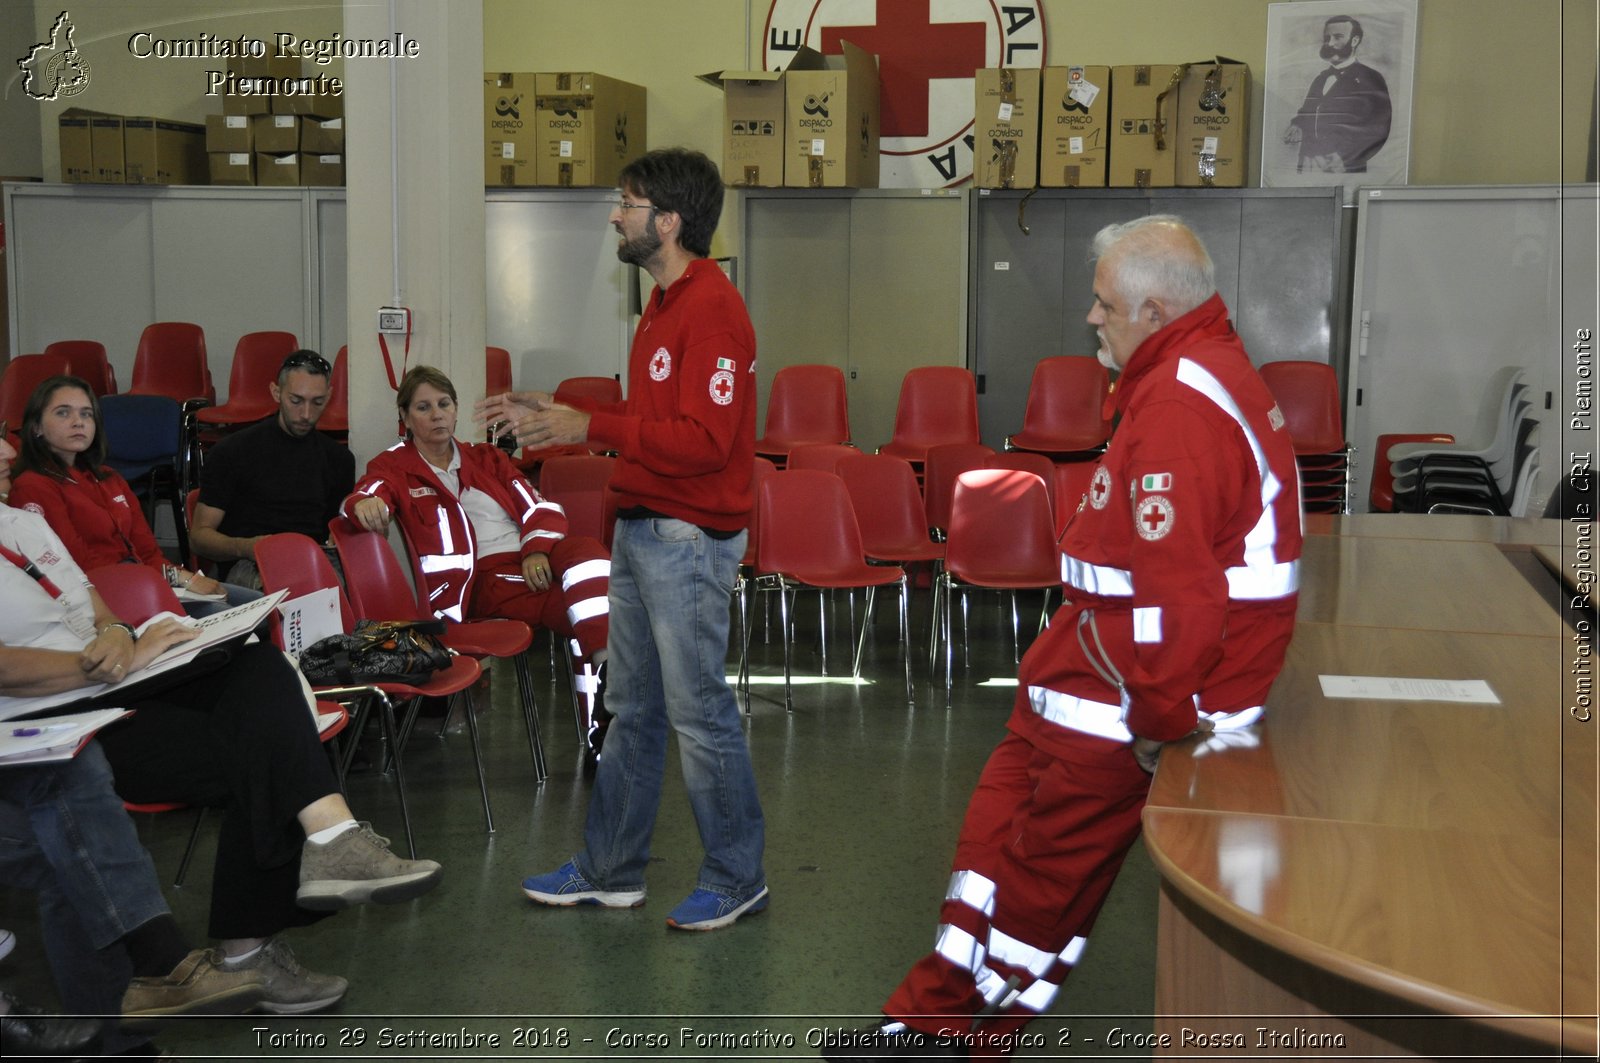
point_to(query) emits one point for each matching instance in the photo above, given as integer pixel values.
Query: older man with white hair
(1180, 570)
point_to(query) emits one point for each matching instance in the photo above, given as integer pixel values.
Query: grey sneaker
(357, 867)
(287, 987)
(198, 985)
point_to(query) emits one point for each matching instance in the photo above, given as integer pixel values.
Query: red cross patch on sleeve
(1155, 517)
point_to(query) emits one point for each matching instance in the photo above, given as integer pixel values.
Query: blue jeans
(670, 588)
(65, 835)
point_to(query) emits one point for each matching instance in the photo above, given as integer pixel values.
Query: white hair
(1157, 257)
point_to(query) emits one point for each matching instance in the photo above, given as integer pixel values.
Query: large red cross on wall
(912, 50)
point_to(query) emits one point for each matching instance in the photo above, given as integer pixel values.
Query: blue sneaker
(705, 910)
(566, 886)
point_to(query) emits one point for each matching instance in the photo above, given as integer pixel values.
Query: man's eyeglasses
(310, 361)
(623, 204)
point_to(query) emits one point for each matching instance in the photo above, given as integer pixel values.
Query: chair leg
(866, 622)
(788, 637)
(905, 638)
(188, 850)
(530, 715)
(477, 759)
(391, 734)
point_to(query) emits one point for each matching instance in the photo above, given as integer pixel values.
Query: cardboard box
(587, 128)
(276, 134)
(232, 167)
(508, 125)
(1006, 128)
(106, 140)
(1213, 128)
(164, 152)
(754, 120)
(77, 146)
(277, 171)
(1144, 104)
(229, 133)
(268, 66)
(321, 169)
(833, 123)
(322, 136)
(310, 104)
(1074, 126)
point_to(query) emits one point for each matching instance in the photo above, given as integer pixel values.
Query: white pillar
(414, 197)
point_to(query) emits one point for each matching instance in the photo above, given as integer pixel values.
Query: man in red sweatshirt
(685, 442)
(1180, 571)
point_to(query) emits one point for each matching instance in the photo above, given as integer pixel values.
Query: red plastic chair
(496, 371)
(136, 593)
(806, 405)
(257, 358)
(888, 507)
(336, 415)
(580, 391)
(1066, 399)
(1069, 484)
(87, 359)
(1380, 493)
(171, 361)
(807, 536)
(378, 588)
(1028, 461)
(944, 463)
(578, 483)
(295, 563)
(821, 457)
(22, 377)
(938, 404)
(1308, 396)
(604, 390)
(1001, 538)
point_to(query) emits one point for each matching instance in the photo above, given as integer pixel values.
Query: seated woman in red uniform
(60, 475)
(488, 545)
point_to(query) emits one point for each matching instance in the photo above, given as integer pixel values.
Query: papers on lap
(52, 738)
(231, 625)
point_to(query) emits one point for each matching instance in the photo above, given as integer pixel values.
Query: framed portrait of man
(1337, 107)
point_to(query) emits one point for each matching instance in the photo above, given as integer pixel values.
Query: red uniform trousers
(576, 605)
(1041, 845)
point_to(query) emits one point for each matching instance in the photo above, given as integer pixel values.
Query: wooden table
(1412, 877)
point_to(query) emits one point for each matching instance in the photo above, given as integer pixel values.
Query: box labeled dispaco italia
(1212, 131)
(754, 118)
(1144, 105)
(1074, 126)
(508, 125)
(587, 128)
(1005, 126)
(833, 123)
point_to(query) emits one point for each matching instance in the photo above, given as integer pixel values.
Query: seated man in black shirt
(278, 475)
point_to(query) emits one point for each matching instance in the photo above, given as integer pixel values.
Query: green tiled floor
(863, 797)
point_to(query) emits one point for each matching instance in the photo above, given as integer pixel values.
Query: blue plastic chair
(145, 445)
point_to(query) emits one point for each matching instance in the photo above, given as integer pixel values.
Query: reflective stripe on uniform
(1147, 624)
(1096, 579)
(959, 947)
(1080, 714)
(599, 568)
(445, 562)
(578, 612)
(973, 890)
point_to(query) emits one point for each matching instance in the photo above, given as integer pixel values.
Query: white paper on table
(1405, 688)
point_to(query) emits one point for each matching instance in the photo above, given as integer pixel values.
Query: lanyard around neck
(31, 569)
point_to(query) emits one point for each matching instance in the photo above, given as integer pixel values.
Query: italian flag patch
(1156, 481)
(725, 363)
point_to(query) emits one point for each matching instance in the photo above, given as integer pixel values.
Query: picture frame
(1344, 119)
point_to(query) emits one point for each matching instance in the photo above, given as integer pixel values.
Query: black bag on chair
(378, 651)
